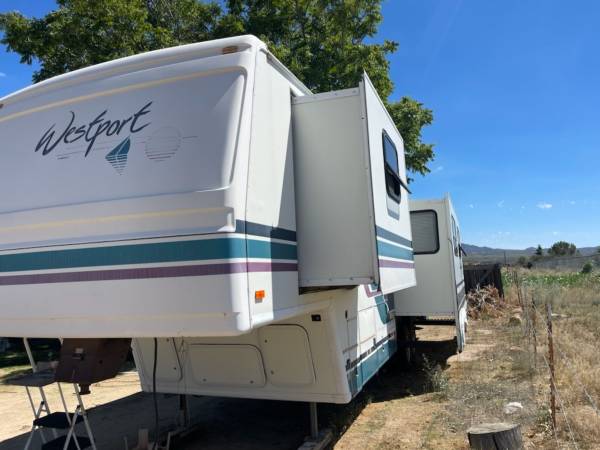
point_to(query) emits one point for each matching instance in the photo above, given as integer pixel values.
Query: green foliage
(539, 251)
(587, 268)
(562, 279)
(80, 33)
(562, 248)
(323, 42)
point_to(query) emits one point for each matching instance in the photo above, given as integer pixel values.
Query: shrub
(587, 268)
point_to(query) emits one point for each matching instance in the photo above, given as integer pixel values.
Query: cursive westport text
(91, 131)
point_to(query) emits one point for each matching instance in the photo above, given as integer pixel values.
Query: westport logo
(74, 132)
(118, 156)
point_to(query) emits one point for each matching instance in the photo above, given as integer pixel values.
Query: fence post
(518, 286)
(534, 330)
(551, 364)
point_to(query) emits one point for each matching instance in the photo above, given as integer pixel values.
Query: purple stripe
(396, 264)
(370, 293)
(148, 272)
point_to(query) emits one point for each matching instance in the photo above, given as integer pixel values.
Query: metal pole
(551, 363)
(184, 410)
(314, 424)
(30, 355)
(83, 413)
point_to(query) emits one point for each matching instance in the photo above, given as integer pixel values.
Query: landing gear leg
(317, 440)
(314, 420)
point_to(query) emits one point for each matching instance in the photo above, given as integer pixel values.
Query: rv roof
(155, 57)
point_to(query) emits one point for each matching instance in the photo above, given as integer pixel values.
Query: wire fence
(548, 351)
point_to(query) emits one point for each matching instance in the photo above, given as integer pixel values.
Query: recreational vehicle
(440, 290)
(246, 234)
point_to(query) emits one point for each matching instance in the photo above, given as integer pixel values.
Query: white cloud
(522, 206)
(471, 205)
(555, 233)
(437, 169)
(543, 205)
(501, 204)
(572, 202)
(2, 74)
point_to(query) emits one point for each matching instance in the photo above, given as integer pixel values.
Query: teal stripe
(382, 309)
(271, 250)
(393, 251)
(199, 250)
(369, 367)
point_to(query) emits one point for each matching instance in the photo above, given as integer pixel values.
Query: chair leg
(86, 422)
(71, 433)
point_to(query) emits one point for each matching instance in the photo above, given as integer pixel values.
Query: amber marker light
(230, 49)
(259, 296)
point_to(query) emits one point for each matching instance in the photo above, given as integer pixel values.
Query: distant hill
(476, 253)
(476, 250)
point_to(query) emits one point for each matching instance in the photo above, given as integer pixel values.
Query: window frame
(387, 169)
(437, 231)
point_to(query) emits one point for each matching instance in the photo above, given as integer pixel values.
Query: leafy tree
(562, 248)
(587, 268)
(539, 251)
(80, 33)
(325, 43)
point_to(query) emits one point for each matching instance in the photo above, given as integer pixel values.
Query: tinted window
(424, 232)
(392, 172)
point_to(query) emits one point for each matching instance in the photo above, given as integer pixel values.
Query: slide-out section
(352, 205)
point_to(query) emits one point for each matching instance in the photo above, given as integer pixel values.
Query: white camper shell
(440, 290)
(202, 195)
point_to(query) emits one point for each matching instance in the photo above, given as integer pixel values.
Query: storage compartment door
(390, 195)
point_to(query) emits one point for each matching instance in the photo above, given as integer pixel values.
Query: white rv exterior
(203, 196)
(440, 290)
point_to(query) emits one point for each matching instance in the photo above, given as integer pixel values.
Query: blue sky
(514, 90)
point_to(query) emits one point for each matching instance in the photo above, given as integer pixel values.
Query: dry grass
(575, 303)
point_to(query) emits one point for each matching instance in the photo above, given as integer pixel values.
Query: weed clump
(435, 379)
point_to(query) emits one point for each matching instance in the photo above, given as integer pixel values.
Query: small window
(424, 232)
(392, 171)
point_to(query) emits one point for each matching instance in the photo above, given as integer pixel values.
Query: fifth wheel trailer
(203, 202)
(440, 290)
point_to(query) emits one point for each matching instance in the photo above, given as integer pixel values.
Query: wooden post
(534, 330)
(551, 364)
(518, 286)
(505, 436)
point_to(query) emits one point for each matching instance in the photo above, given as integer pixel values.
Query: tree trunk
(495, 436)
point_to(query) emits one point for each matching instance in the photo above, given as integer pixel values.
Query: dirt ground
(427, 407)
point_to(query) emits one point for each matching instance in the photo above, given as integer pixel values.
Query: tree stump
(495, 436)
